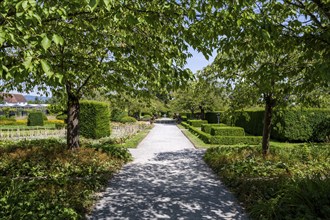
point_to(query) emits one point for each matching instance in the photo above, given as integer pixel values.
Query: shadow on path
(173, 185)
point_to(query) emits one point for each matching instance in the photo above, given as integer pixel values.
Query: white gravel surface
(168, 179)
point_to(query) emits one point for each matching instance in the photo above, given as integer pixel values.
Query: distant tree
(203, 94)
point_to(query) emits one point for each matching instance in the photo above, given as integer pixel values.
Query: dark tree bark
(73, 119)
(270, 104)
(202, 112)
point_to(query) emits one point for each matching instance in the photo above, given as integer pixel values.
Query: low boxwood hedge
(197, 123)
(227, 131)
(207, 127)
(232, 140)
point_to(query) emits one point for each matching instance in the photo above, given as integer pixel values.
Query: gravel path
(168, 179)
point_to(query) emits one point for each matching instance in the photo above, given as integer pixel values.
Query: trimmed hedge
(127, 119)
(207, 127)
(227, 131)
(300, 125)
(251, 121)
(200, 134)
(223, 140)
(94, 119)
(294, 125)
(197, 123)
(212, 117)
(232, 140)
(35, 119)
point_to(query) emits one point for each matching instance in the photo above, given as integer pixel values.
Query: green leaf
(58, 39)
(93, 4)
(45, 66)
(107, 4)
(25, 5)
(45, 43)
(28, 62)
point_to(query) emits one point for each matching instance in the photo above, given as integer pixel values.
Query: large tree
(262, 59)
(134, 46)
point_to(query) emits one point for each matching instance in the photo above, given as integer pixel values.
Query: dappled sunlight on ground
(172, 185)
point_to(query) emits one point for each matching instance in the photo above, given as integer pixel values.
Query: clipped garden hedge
(227, 131)
(35, 119)
(197, 123)
(222, 140)
(232, 140)
(294, 125)
(300, 125)
(94, 119)
(212, 117)
(207, 127)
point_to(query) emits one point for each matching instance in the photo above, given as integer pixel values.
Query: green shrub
(184, 118)
(146, 118)
(60, 125)
(7, 121)
(322, 131)
(61, 117)
(118, 152)
(197, 123)
(212, 117)
(94, 119)
(227, 131)
(35, 119)
(207, 127)
(233, 140)
(200, 134)
(52, 182)
(127, 119)
(118, 114)
(299, 125)
(44, 116)
(251, 121)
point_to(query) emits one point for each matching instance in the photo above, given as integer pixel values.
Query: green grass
(134, 141)
(198, 143)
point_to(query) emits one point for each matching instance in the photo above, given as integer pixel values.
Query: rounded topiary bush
(146, 118)
(127, 119)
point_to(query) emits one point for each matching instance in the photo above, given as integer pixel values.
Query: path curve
(168, 179)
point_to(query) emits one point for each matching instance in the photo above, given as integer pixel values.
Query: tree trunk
(270, 103)
(202, 112)
(73, 121)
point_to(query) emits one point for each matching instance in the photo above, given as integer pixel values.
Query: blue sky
(198, 61)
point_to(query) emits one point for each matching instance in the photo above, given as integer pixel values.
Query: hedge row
(197, 123)
(232, 140)
(289, 125)
(200, 134)
(222, 140)
(212, 117)
(227, 131)
(94, 119)
(207, 127)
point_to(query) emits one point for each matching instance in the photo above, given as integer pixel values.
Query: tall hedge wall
(300, 125)
(212, 117)
(294, 125)
(94, 119)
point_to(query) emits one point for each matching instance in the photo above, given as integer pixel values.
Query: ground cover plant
(42, 179)
(292, 182)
